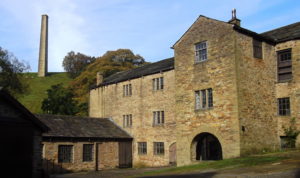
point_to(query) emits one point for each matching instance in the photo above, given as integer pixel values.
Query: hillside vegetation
(110, 63)
(38, 87)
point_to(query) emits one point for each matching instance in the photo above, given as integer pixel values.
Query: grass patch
(38, 87)
(226, 163)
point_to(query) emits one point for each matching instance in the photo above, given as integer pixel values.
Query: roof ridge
(280, 28)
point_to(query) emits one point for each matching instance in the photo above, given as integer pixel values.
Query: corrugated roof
(157, 67)
(286, 33)
(81, 127)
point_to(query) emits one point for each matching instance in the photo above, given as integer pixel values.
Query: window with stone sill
(127, 90)
(87, 153)
(284, 65)
(142, 148)
(127, 120)
(257, 49)
(284, 106)
(204, 99)
(200, 52)
(159, 148)
(158, 83)
(158, 118)
(65, 153)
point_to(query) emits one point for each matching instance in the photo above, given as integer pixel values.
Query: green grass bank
(38, 87)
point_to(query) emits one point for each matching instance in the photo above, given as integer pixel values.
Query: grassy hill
(38, 89)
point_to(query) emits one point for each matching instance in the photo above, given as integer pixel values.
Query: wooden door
(172, 154)
(125, 154)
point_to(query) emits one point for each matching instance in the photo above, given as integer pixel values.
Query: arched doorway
(206, 146)
(172, 154)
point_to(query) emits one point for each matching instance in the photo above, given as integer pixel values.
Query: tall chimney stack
(43, 56)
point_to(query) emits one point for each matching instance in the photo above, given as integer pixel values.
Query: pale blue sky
(147, 27)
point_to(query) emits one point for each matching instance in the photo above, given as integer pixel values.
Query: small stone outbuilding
(84, 143)
(20, 135)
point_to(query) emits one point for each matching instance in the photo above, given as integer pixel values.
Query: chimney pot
(234, 20)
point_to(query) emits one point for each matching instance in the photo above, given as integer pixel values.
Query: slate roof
(148, 69)
(286, 33)
(81, 127)
(7, 98)
(289, 32)
(255, 35)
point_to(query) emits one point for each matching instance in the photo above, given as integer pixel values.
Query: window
(159, 148)
(127, 90)
(203, 99)
(201, 51)
(142, 148)
(284, 106)
(127, 120)
(158, 118)
(87, 152)
(257, 49)
(65, 153)
(284, 65)
(158, 83)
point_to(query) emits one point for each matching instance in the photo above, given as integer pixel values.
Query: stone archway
(206, 146)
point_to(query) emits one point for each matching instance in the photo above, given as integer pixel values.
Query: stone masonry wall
(256, 96)
(108, 101)
(290, 89)
(217, 72)
(107, 155)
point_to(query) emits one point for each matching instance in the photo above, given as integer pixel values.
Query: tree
(11, 78)
(60, 101)
(74, 64)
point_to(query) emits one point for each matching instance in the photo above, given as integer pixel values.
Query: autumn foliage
(110, 63)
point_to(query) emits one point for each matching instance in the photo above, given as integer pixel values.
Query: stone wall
(256, 96)
(290, 89)
(108, 101)
(107, 156)
(217, 72)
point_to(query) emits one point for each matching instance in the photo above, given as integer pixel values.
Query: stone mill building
(227, 91)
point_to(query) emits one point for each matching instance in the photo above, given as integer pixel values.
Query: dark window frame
(142, 148)
(284, 65)
(257, 49)
(284, 106)
(87, 152)
(65, 153)
(158, 148)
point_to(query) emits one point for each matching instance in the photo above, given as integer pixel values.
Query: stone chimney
(99, 78)
(43, 56)
(234, 20)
